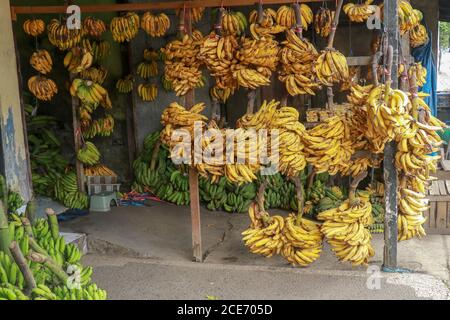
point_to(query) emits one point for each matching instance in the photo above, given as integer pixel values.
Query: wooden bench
(438, 216)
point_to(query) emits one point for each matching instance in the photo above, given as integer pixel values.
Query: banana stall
(101, 101)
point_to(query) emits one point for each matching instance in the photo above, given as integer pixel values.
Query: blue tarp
(424, 54)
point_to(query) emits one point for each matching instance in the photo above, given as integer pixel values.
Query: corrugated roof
(444, 10)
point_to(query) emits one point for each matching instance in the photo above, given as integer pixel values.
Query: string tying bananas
(62, 37)
(346, 232)
(125, 85)
(78, 59)
(331, 67)
(90, 93)
(88, 154)
(148, 92)
(34, 27)
(418, 36)
(42, 88)
(360, 12)
(93, 27)
(286, 16)
(420, 72)
(323, 22)
(155, 25)
(125, 28)
(297, 59)
(97, 75)
(41, 61)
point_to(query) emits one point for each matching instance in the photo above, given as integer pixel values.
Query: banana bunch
(155, 25)
(265, 234)
(196, 14)
(125, 85)
(359, 94)
(346, 232)
(234, 23)
(14, 201)
(78, 59)
(148, 92)
(297, 59)
(182, 64)
(240, 172)
(323, 145)
(61, 36)
(125, 28)
(9, 292)
(331, 67)
(418, 36)
(302, 241)
(408, 16)
(99, 49)
(252, 78)
(34, 27)
(42, 88)
(267, 27)
(147, 69)
(268, 19)
(99, 170)
(286, 16)
(91, 292)
(93, 27)
(420, 72)
(66, 191)
(280, 193)
(95, 74)
(358, 166)
(90, 93)
(221, 95)
(88, 154)
(259, 32)
(323, 22)
(360, 12)
(41, 61)
(9, 272)
(103, 127)
(218, 54)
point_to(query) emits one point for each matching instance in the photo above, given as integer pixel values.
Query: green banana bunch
(91, 292)
(89, 154)
(10, 272)
(14, 201)
(66, 191)
(9, 292)
(125, 85)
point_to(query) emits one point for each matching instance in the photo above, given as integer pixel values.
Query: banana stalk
(260, 196)
(27, 226)
(30, 211)
(4, 231)
(53, 223)
(50, 264)
(23, 266)
(155, 155)
(36, 247)
(300, 198)
(335, 24)
(354, 186)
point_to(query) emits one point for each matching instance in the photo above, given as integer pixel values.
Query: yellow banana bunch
(155, 25)
(148, 92)
(125, 85)
(286, 16)
(218, 54)
(345, 229)
(90, 93)
(259, 32)
(41, 61)
(261, 119)
(359, 94)
(233, 23)
(221, 95)
(420, 72)
(251, 78)
(99, 170)
(42, 88)
(196, 13)
(103, 127)
(88, 154)
(268, 19)
(182, 64)
(151, 55)
(93, 27)
(418, 36)
(360, 12)
(78, 59)
(62, 37)
(147, 70)
(297, 58)
(302, 242)
(34, 27)
(331, 67)
(323, 22)
(264, 238)
(99, 49)
(95, 74)
(358, 166)
(125, 28)
(408, 16)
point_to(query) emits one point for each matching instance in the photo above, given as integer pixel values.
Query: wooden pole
(390, 172)
(77, 140)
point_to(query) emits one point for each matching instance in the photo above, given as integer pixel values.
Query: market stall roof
(444, 10)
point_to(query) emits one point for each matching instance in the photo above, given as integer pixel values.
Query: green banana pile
(279, 193)
(14, 201)
(66, 191)
(89, 154)
(55, 266)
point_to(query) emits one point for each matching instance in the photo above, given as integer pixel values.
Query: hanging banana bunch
(360, 12)
(408, 16)
(268, 19)
(90, 93)
(420, 72)
(103, 127)
(196, 13)
(62, 37)
(42, 88)
(221, 95)
(125, 85)
(148, 92)
(286, 16)
(148, 68)
(78, 59)
(323, 22)
(233, 23)
(88, 154)
(125, 28)
(41, 61)
(99, 49)
(95, 74)
(155, 25)
(267, 26)
(418, 36)
(34, 27)
(93, 27)
(359, 94)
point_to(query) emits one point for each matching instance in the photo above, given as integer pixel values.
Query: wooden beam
(390, 171)
(163, 5)
(367, 60)
(77, 141)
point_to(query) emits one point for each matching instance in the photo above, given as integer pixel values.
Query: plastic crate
(98, 184)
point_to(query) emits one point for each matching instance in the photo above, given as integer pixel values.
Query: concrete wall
(13, 162)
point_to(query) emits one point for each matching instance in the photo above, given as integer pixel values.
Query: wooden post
(390, 172)
(77, 140)
(189, 101)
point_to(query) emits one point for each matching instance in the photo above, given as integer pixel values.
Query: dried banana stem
(335, 24)
(23, 266)
(354, 185)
